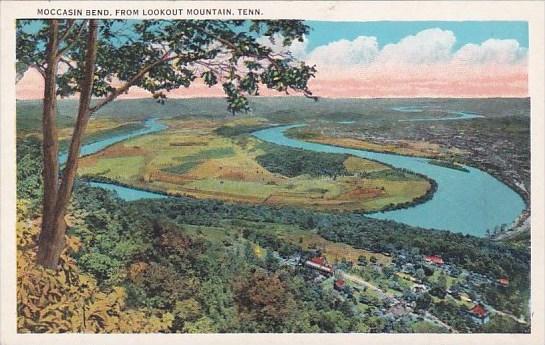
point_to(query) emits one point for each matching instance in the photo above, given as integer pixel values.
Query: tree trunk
(50, 148)
(57, 226)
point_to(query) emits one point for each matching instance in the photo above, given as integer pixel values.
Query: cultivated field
(192, 158)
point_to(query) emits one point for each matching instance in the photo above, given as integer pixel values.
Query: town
(411, 288)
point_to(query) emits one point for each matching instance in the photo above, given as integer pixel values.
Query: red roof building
(319, 263)
(434, 259)
(503, 281)
(479, 314)
(339, 284)
(319, 260)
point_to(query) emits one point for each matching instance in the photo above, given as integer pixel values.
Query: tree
(105, 58)
(420, 274)
(264, 298)
(423, 301)
(442, 281)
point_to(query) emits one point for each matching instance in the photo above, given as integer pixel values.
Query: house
(319, 263)
(319, 260)
(419, 288)
(434, 260)
(479, 314)
(339, 285)
(408, 268)
(397, 309)
(503, 282)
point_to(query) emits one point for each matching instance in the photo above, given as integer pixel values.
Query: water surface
(468, 202)
(150, 126)
(459, 115)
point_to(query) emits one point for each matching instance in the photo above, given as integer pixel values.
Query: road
(428, 316)
(502, 313)
(360, 281)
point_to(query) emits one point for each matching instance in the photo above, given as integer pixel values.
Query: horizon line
(294, 96)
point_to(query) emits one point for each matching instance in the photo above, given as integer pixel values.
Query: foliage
(294, 162)
(263, 299)
(29, 181)
(68, 300)
(160, 55)
(233, 131)
(501, 324)
(146, 262)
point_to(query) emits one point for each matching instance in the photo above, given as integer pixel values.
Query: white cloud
(426, 47)
(491, 51)
(362, 50)
(430, 46)
(296, 48)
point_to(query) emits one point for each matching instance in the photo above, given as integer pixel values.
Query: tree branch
(129, 83)
(71, 23)
(235, 48)
(69, 45)
(267, 57)
(67, 63)
(40, 68)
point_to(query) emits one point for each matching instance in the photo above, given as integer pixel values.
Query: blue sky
(324, 32)
(406, 59)
(391, 32)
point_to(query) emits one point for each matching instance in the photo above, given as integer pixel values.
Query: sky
(395, 59)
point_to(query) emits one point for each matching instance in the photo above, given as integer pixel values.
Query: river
(458, 115)
(150, 126)
(468, 202)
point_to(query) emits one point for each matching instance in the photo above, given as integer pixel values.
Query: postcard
(281, 171)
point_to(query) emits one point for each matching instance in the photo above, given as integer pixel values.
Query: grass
(435, 276)
(427, 327)
(189, 162)
(121, 168)
(192, 159)
(402, 147)
(333, 251)
(357, 165)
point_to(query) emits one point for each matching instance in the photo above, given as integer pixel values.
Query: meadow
(203, 159)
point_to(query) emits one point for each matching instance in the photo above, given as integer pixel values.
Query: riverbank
(430, 210)
(219, 160)
(465, 162)
(461, 198)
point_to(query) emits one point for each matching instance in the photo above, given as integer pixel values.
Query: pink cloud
(440, 80)
(420, 65)
(444, 80)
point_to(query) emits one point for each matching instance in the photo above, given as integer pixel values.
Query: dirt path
(375, 288)
(493, 310)
(428, 316)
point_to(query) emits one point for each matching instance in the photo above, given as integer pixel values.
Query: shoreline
(522, 193)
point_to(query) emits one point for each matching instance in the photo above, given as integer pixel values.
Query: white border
(532, 12)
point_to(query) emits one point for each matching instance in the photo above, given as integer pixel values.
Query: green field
(194, 158)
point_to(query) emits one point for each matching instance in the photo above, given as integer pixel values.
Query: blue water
(128, 194)
(468, 202)
(125, 193)
(150, 126)
(459, 115)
